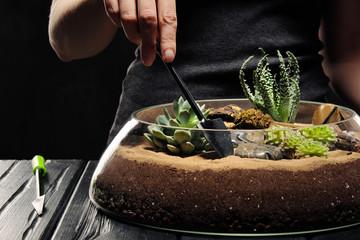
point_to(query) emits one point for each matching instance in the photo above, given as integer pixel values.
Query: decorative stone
(227, 113)
(255, 150)
(327, 113)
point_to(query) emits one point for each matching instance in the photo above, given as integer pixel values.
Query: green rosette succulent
(173, 134)
(276, 135)
(293, 139)
(311, 148)
(308, 141)
(323, 134)
(277, 97)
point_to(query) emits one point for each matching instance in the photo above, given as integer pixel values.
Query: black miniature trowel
(220, 140)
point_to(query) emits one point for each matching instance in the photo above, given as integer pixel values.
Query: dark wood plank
(352, 233)
(194, 237)
(18, 219)
(5, 167)
(82, 220)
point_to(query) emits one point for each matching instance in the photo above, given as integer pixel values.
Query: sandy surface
(144, 153)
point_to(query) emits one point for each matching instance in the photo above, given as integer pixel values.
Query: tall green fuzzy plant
(277, 97)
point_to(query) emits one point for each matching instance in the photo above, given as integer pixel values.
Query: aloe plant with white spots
(277, 97)
(175, 134)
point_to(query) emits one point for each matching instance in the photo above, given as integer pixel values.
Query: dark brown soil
(235, 200)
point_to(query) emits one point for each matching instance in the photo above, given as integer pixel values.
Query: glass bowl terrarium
(282, 179)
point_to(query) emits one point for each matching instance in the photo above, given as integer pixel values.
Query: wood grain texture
(82, 220)
(190, 237)
(18, 219)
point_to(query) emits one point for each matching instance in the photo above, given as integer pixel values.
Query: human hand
(143, 22)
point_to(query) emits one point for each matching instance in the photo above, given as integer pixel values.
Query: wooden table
(69, 214)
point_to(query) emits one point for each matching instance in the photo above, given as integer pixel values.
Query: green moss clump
(252, 119)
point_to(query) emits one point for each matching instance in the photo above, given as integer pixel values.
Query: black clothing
(213, 40)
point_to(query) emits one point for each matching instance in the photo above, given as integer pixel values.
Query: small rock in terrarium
(256, 150)
(327, 113)
(227, 113)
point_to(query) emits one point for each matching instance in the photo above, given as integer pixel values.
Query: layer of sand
(144, 153)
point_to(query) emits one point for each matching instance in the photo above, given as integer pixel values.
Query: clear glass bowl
(230, 196)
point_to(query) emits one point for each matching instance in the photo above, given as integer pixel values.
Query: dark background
(48, 107)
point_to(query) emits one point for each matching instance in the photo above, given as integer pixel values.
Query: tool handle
(182, 86)
(38, 163)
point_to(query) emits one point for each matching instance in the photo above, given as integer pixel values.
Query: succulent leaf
(206, 113)
(182, 136)
(323, 134)
(152, 128)
(196, 134)
(168, 131)
(192, 114)
(293, 139)
(312, 148)
(171, 140)
(174, 123)
(176, 107)
(184, 117)
(167, 114)
(244, 85)
(173, 149)
(285, 91)
(275, 135)
(159, 143)
(162, 120)
(198, 142)
(208, 147)
(266, 91)
(187, 147)
(185, 105)
(149, 138)
(158, 133)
